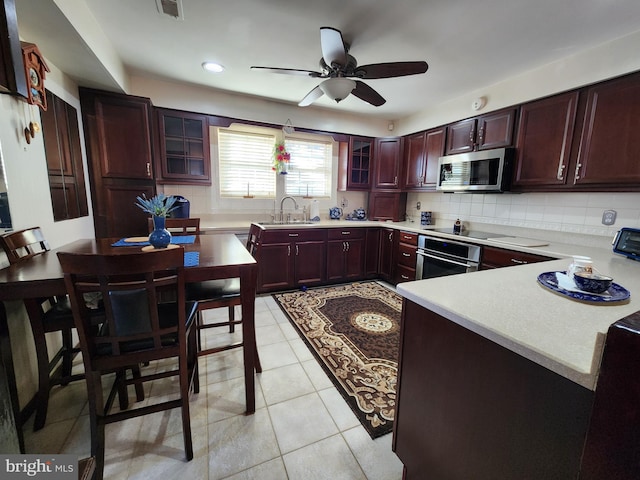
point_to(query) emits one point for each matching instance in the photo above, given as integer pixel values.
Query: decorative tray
(557, 283)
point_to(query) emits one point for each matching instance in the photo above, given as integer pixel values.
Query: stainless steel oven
(437, 257)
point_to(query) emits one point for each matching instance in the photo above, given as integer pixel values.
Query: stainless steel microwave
(483, 172)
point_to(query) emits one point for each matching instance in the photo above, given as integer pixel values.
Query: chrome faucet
(295, 205)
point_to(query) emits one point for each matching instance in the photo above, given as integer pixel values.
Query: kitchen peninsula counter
(510, 308)
(500, 378)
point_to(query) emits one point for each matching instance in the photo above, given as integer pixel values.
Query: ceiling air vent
(173, 8)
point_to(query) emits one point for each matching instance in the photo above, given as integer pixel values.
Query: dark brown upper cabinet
(544, 141)
(120, 158)
(388, 163)
(484, 132)
(12, 75)
(61, 136)
(609, 150)
(421, 153)
(184, 148)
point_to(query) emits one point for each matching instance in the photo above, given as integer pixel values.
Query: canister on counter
(425, 218)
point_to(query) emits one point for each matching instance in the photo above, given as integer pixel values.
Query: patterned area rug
(354, 332)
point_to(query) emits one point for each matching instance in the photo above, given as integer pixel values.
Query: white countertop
(508, 306)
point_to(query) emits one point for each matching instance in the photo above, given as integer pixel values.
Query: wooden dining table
(220, 256)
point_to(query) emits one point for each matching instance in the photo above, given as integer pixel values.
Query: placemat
(176, 240)
(191, 259)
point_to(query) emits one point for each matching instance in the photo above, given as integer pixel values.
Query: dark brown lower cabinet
(291, 259)
(388, 244)
(501, 257)
(470, 409)
(372, 253)
(345, 254)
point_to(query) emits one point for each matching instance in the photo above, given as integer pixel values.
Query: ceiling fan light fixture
(213, 67)
(338, 88)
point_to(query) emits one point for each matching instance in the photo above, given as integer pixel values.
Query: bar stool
(46, 315)
(136, 329)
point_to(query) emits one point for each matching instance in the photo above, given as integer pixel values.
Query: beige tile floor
(302, 428)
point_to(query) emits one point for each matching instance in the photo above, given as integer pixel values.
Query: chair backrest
(180, 226)
(253, 240)
(134, 328)
(24, 244)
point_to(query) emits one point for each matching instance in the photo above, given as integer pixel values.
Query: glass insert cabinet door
(184, 144)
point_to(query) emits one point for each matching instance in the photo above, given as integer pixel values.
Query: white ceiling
(468, 44)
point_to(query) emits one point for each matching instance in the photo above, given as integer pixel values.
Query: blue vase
(160, 237)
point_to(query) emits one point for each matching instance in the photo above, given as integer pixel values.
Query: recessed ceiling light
(213, 67)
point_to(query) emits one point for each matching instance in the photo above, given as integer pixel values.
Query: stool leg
(34, 311)
(67, 356)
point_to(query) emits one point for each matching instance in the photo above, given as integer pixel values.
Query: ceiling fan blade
(368, 94)
(333, 49)
(311, 97)
(291, 71)
(391, 69)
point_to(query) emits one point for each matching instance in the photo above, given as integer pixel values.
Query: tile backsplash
(561, 212)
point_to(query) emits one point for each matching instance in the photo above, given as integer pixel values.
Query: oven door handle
(442, 259)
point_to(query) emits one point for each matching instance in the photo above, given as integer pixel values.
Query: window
(245, 160)
(309, 167)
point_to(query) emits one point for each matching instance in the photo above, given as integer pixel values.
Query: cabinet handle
(560, 175)
(347, 244)
(407, 237)
(148, 169)
(294, 234)
(344, 246)
(472, 135)
(346, 233)
(515, 260)
(297, 250)
(404, 254)
(480, 135)
(395, 180)
(577, 175)
(288, 250)
(404, 277)
(391, 236)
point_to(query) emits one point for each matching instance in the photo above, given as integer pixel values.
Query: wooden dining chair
(136, 329)
(179, 226)
(222, 293)
(46, 315)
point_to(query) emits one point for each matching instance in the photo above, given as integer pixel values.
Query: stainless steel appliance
(437, 257)
(483, 171)
(627, 243)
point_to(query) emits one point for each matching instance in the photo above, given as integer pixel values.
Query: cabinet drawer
(409, 238)
(407, 255)
(498, 257)
(405, 274)
(345, 233)
(272, 236)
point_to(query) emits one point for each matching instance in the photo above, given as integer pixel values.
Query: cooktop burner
(470, 233)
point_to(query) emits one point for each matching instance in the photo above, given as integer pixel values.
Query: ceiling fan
(338, 67)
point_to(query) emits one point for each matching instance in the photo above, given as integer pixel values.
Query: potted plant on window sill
(159, 207)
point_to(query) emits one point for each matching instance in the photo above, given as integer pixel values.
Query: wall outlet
(609, 217)
(344, 203)
(418, 205)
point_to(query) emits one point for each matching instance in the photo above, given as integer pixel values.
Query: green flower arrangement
(160, 205)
